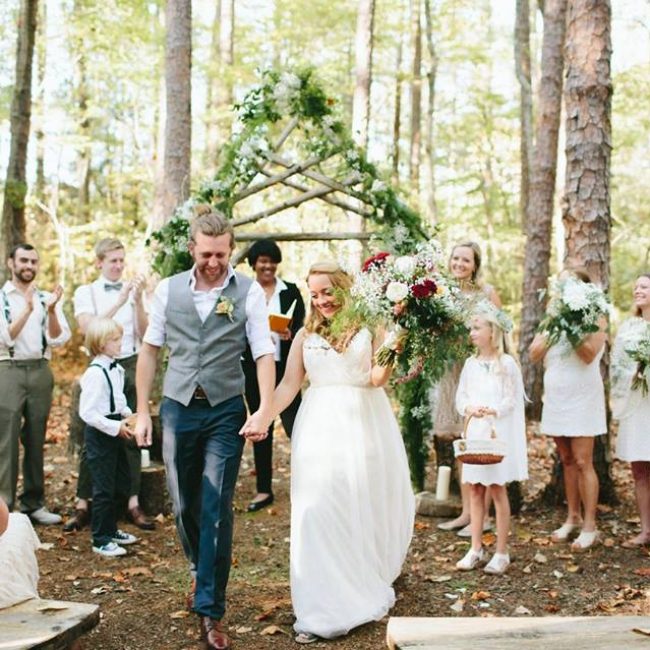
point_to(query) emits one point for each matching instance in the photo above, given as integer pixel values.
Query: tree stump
(76, 425)
(154, 497)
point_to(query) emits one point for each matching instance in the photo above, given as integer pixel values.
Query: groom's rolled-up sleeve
(258, 331)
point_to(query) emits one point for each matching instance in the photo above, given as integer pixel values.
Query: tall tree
(431, 206)
(586, 206)
(416, 96)
(539, 211)
(13, 209)
(363, 71)
(178, 88)
(41, 62)
(522, 69)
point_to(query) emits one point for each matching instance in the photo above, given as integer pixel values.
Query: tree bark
(178, 123)
(522, 69)
(41, 63)
(363, 68)
(586, 205)
(13, 209)
(397, 115)
(539, 218)
(431, 206)
(416, 97)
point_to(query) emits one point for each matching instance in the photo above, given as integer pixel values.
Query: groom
(205, 316)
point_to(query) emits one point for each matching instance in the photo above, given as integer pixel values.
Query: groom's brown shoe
(214, 634)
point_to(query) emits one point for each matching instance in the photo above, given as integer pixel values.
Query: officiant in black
(282, 297)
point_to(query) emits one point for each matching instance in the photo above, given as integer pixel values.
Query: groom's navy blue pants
(202, 449)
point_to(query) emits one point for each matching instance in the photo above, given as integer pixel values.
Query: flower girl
(491, 394)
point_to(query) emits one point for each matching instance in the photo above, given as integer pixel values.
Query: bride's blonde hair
(315, 322)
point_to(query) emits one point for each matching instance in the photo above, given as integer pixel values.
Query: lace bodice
(327, 367)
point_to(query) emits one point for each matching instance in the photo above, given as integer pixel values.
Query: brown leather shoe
(79, 520)
(214, 634)
(136, 516)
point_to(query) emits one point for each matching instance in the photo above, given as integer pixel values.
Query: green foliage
(15, 192)
(292, 94)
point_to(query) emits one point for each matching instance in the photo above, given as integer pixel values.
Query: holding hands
(256, 427)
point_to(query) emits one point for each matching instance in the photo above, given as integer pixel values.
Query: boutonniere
(224, 307)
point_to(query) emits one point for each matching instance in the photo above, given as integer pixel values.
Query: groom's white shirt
(257, 322)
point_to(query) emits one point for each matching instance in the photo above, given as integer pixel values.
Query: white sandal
(563, 533)
(305, 637)
(471, 560)
(498, 565)
(466, 532)
(585, 540)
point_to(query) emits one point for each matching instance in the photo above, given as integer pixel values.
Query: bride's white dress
(352, 506)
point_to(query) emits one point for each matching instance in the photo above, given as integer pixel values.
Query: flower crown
(488, 310)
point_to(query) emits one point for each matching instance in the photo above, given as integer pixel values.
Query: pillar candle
(442, 485)
(145, 460)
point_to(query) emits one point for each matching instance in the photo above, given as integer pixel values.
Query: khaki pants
(25, 400)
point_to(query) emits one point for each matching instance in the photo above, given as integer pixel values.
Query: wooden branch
(290, 203)
(278, 178)
(332, 200)
(301, 236)
(286, 133)
(343, 186)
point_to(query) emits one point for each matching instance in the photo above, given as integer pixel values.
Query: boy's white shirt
(94, 402)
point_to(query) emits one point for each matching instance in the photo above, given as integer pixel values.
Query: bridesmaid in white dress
(574, 413)
(491, 391)
(631, 407)
(352, 505)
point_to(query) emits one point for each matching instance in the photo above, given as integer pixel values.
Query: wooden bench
(46, 624)
(541, 633)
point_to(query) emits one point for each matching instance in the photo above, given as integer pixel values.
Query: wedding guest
(103, 407)
(491, 394)
(109, 296)
(352, 506)
(264, 257)
(631, 401)
(31, 324)
(18, 562)
(465, 266)
(574, 414)
(205, 317)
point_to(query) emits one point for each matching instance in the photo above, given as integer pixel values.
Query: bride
(352, 507)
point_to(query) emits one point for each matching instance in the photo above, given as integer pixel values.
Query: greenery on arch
(295, 97)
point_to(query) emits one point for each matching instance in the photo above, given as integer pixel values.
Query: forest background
(444, 123)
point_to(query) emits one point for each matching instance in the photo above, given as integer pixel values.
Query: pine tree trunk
(416, 97)
(431, 206)
(41, 63)
(397, 115)
(522, 67)
(539, 217)
(178, 124)
(210, 117)
(586, 205)
(363, 72)
(13, 209)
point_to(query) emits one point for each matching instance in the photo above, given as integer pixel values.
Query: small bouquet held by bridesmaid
(423, 307)
(639, 352)
(574, 310)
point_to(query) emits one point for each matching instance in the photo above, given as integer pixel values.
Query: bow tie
(115, 286)
(113, 365)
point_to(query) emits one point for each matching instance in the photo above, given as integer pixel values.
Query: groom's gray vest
(205, 354)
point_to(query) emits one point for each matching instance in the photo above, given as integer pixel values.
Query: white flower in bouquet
(405, 264)
(397, 291)
(377, 186)
(576, 294)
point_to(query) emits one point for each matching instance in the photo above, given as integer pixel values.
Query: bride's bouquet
(423, 307)
(574, 310)
(639, 352)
